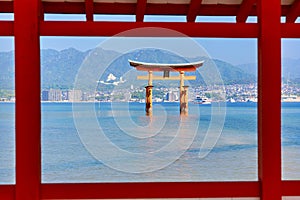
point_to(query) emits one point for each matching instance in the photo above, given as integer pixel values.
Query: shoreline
(289, 101)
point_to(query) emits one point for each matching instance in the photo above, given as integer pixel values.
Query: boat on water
(201, 100)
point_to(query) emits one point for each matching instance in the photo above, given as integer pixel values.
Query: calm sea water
(154, 143)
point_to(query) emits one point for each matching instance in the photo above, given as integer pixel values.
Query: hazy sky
(235, 51)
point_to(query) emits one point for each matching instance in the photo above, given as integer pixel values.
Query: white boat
(201, 100)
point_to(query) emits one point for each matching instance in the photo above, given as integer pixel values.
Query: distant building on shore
(171, 96)
(45, 95)
(52, 95)
(55, 95)
(74, 95)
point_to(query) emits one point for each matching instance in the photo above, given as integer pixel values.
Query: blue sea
(104, 142)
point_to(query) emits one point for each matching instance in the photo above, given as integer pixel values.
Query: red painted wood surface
(245, 10)
(293, 12)
(150, 190)
(89, 10)
(7, 192)
(290, 30)
(28, 110)
(6, 28)
(130, 8)
(193, 10)
(250, 189)
(6, 7)
(229, 30)
(291, 188)
(269, 100)
(140, 10)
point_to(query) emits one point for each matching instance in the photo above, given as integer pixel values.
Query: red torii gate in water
(166, 68)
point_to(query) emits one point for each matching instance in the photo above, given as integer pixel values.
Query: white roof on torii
(145, 66)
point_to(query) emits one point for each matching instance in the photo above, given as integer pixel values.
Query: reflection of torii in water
(166, 68)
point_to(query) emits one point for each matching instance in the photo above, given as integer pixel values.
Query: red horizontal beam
(6, 28)
(52, 191)
(287, 30)
(291, 188)
(6, 7)
(226, 30)
(64, 7)
(7, 192)
(130, 9)
(290, 30)
(150, 190)
(152, 9)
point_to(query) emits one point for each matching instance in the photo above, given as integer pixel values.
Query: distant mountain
(59, 68)
(250, 68)
(234, 75)
(290, 69)
(7, 72)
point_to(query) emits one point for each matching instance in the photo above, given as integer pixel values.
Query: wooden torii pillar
(166, 68)
(149, 88)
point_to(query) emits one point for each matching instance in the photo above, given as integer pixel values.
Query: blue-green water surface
(233, 157)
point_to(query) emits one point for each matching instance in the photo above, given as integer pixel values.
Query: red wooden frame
(7, 192)
(29, 26)
(140, 10)
(7, 7)
(89, 10)
(245, 10)
(28, 106)
(288, 30)
(290, 188)
(293, 12)
(269, 100)
(229, 30)
(193, 10)
(150, 190)
(130, 8)
(6, 28)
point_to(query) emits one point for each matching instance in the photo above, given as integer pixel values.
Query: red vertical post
(269, 99)
(28, 108)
